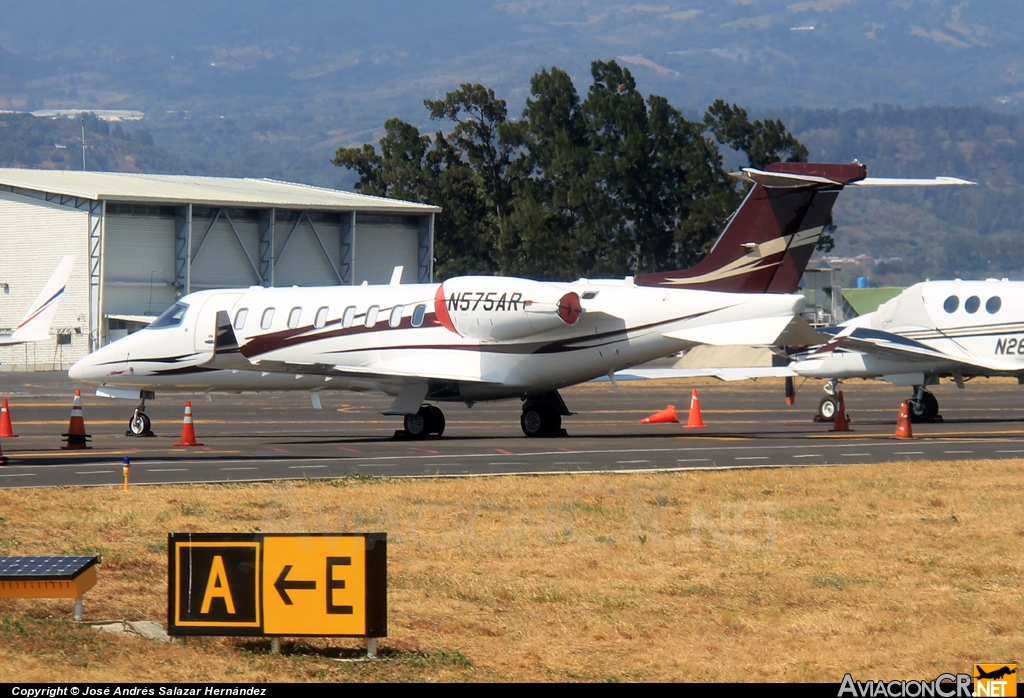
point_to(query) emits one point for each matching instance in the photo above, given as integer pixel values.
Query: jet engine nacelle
(500, 308)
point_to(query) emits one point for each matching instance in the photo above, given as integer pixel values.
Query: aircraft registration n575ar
(479, 338)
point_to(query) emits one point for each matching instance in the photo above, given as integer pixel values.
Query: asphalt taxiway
(272, 436)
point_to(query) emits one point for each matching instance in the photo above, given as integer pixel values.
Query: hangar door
(138, 259)
(381, 244)
(225, 248)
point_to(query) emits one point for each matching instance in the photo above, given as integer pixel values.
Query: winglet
(35, 326)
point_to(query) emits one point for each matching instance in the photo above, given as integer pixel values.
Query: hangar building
(141, 241)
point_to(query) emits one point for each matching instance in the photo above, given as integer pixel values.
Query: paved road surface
(278, 435)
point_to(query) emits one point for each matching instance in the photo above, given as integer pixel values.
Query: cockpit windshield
(170, 317)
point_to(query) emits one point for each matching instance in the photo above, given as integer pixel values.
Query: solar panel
(20, 567)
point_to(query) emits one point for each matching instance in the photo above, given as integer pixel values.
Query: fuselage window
(993, 305)
(417, 315)
(396, 316)
(170, 317)
(972, 304)
(293, 318)
(349, 317)
(951, 304)
(321, 318)
(240, 318)
(371, 316)
(267, 319)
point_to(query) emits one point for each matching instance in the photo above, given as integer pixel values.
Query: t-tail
(35, 326)
(768, 242)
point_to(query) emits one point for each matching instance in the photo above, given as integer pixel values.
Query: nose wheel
(139, 425)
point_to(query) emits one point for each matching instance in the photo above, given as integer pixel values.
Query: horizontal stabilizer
(758, 332)
(898, 182)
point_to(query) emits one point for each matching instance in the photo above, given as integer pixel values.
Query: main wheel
(416, 425)
(924, 410)
(540, 420)
(435, 419)
(139, 424)
(827, 409)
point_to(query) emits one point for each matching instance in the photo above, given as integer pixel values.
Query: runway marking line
(93, 472)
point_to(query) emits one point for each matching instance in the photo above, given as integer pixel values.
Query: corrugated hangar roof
(212, 191)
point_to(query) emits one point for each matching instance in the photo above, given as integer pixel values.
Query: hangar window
(267, 319)
(993, 305)
(349, 317)
(240, 318)
(417, 315)
(321, 318)
(972, 304)
(951, 304)
(396, 316)
(171, 317)
(293, 318)
(371, 316)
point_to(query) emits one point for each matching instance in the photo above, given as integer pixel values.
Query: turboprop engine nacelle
(499, 308)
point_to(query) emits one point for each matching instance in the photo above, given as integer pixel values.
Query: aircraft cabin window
(321, 318)
(972, 304)
(993, 305)
(240, 318)
(951, 304)
(170, 317)
(417, 315)
(293, 318)
(267, 319)
(349, 317)
(396, 316)
(371, 316)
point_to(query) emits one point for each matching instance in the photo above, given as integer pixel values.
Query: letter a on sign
(215, 584)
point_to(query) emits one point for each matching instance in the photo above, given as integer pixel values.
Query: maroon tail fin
(768, 242)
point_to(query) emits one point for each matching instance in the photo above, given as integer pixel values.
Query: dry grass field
(889, 571)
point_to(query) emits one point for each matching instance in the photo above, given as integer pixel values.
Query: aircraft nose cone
(79, 371)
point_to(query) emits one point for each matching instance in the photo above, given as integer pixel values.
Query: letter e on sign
(314, 585)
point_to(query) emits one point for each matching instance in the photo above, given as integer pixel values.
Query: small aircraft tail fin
(35, 326)
(768, 242)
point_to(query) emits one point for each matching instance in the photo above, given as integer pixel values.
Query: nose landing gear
(140, 424)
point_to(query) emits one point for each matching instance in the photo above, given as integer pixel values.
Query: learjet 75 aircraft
(475, 338)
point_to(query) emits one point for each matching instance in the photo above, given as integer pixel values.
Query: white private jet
(932, 330)
(35, 326)
(485, 338)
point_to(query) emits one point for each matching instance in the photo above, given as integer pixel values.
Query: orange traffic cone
(6, 431)
(841, 421)
(665, 416)
(903, 430)
(76, 437)
(695, 421)
(188, 431)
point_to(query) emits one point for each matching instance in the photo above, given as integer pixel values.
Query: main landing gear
(829, 404)
(140, 424)
(924, 407)
(429, 421)
(542, 415)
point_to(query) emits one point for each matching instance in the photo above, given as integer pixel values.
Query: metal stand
(275, 645)
(371, 648)
(79, 608)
